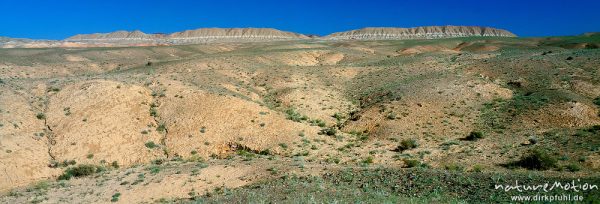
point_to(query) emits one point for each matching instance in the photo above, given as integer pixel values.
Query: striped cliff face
(219, 35)
(428, 32)
(191, 36)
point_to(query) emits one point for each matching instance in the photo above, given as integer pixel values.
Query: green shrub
(318, 122)
(454, 167)
(79, 171)
(597, 101)
(161, 127)
(40, 116)
(410, 163)
(53, 89)
(151, 144)
(475, 135)
(295, 116)
(115, 164)
(153, 112)
(391, 116)
(593, 129)
(407, 144)
(338, 116)
(115, 197)
(154, 169)
(246, 155)
(368, 160)
(477, 168)
(537, 160)
(573, 167)
(328, 131)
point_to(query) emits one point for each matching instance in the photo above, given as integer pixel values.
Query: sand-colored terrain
(176, 123)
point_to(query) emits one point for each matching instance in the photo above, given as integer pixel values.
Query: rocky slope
(426, 32)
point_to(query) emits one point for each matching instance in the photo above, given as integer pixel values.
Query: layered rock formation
(208, 35)
(426, 32)
(190, 36)
(115, 37)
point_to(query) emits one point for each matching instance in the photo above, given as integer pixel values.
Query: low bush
(537, 160)
(475, 135)
(40, 116)
(368, 160)
(151, 144)
(597, 101)
(410, 163)
(391, 116)
(318, 122)
(161, 127)
(328, 131)
(79, 171)
(454, 167)
(573, 167)
(295, 116)
(407, 144)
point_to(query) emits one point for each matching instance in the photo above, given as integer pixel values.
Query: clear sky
(58, 19)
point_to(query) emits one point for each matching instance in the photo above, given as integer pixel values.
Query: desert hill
(190, 36)
(114, 36)
(425, 32)
(368, 118)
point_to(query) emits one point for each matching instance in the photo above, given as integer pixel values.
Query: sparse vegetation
(419, 185)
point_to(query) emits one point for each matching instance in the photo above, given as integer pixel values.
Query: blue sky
(56, 19)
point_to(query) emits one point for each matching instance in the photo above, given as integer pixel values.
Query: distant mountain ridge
(192, 36)
(117, 35)
(208, 35)
(425, 32)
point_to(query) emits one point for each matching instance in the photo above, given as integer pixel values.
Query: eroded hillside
(182, 122)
